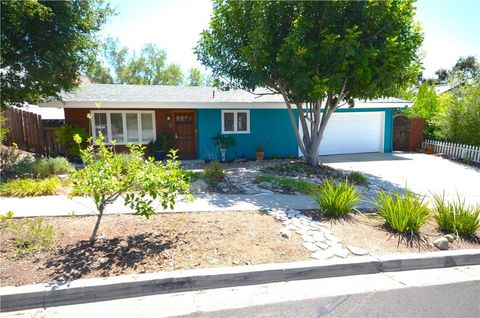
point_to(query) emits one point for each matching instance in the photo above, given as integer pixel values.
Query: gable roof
(163, 94)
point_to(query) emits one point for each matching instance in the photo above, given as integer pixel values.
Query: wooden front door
(185, 129)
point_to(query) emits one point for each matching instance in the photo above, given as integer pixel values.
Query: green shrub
(456, 217)
(403, 213)
(336, 199)
(214, 172)
(30, 235)
(30, 187)
(289, 184)
(357, 178)
(64, 136)
(45, 167)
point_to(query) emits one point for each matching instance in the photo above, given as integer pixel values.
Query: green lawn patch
(290, 184)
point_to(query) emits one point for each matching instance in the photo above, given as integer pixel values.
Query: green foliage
(30, 234)
(194, 77)
(357, 177)
(403, 213)
(223, 141)
(45, 167)
(425, 103)
(289, 184)
(147, 67)
(214, 172)
(321, 53)
(163, 142)
(106, 177)
(30, 187)
(64, 135)
(336, 199)
(7, 216)
(46, 45)
(460, 116)
(456, 217)
(259, 148)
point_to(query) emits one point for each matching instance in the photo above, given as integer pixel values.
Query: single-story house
(138, 113)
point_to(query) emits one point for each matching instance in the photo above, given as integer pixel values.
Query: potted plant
(259, 152)
(161, 145)
(223, 142)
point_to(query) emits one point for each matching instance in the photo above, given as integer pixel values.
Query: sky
(451, 28)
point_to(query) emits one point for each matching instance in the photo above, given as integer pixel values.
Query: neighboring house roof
(177, 96)
(442, 88)
(53, 113)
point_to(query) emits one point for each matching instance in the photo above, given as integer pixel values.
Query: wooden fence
(455, 150)
(26, 130)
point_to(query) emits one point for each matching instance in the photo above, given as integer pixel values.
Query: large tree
(317, 55)
(45, 45)
(117, 64)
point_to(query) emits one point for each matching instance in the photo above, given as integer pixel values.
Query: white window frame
(235, 121)
(124, 124)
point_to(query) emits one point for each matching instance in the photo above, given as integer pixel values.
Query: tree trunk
(101, 208)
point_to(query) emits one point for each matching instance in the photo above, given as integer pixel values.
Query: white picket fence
(466, 152)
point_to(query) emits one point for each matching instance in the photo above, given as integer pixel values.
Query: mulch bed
(165, 242)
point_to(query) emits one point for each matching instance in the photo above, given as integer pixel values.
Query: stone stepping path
(317, 238)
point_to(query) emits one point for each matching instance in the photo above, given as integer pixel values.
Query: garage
(354, 132)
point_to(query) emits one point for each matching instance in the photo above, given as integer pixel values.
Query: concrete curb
(101, 289)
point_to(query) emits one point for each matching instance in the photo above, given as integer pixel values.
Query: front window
(124, 127)
(235, 121)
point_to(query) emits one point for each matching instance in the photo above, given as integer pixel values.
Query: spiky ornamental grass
(456, 216)
(404, 213)
(336, 199)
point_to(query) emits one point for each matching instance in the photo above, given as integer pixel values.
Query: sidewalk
(62, 206)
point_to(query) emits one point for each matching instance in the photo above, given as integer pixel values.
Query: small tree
(108, 176)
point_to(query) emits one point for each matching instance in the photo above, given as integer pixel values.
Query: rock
(322, 245)
(266, 185)
(101, 238)
(357, 250)
(318, 237)
(441, 243)
(222, 187)
(285, 232)
(310, 247)
(449, 237)
(322, 255)
(307, 238)
(198, 186)
(332, 238)
(340, 252)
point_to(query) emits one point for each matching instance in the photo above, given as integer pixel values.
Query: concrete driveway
(421, 173)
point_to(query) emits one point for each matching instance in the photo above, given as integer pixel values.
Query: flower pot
(159, 155)
(223, 153)
(259, 155)
(429, 148)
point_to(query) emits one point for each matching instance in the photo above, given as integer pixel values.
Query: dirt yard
(370, 233)
(164, 243)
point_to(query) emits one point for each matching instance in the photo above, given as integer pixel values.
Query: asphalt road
(450, 300)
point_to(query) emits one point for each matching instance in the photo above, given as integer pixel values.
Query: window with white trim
(235, 121)
(124, 126)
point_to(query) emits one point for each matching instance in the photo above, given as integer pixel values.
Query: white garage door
(353, 133)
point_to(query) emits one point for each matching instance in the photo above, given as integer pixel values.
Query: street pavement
(444, 292)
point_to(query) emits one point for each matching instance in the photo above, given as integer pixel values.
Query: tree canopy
(319, 54)
(117, 64)
(46, 45)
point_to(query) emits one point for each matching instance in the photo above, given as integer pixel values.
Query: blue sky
(451, 28)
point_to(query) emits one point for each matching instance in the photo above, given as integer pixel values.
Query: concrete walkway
(62, 206)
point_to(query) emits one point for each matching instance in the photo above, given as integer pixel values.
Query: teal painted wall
(269, 127)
